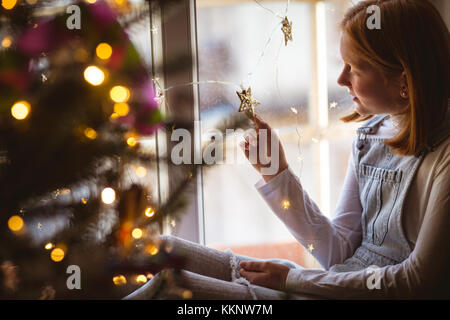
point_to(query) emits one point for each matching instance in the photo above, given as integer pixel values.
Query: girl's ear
(404, 93)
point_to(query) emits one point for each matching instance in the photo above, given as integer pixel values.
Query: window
(234, 43)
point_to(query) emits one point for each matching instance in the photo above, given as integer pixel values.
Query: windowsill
(292, 251)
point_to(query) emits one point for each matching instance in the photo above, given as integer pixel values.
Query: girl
(389, 237)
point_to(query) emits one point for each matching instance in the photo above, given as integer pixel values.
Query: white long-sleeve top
(426, 221)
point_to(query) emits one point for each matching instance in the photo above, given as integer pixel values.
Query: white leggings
(208, 274)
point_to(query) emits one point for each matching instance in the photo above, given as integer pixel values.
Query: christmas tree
(75, 103)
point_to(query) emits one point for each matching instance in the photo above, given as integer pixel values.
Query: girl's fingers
(251, 139)
(245, 149)
(244, 145)
(253, 265)
(260, 123)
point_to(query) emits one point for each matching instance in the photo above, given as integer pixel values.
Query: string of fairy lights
(119, 94)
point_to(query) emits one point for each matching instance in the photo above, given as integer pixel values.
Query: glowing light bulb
(149, 276)
(151, 249)
(131, 141)
(119, 94)
(6, 42)
(141, 172)
(90, 133)
(137, 233)
(57, 254)
(9, 4)
(121, 109)
(15, 223)
(108, 195)
(103, 51)
(49, 246)
(141, 278)
(187, 294)
(286, 204)
(119, 280)
(149, 212)
(20, 110)
(84, 200)
(94, 75)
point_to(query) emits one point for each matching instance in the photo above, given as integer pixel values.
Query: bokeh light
(20, 110)
(6, 42)
(149, 212)
(137, 233)
(141, 171)
(108, 195)
(187, 294)
(119, 94)
(141, 278)
(103, 51)
(151, 249)
(121, 109)
(90, 133)
(57, 254)
(131, 141)
(94, 75)
(119, 280)
(15, 223)
(9, 4)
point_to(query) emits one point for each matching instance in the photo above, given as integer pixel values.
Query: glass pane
(231, 40)
(139, 33)
(339, 134)
(243, 44)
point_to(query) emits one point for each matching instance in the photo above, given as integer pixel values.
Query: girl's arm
(329, 241)
(424, 274)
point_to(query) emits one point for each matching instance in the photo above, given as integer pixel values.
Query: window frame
(191, 225)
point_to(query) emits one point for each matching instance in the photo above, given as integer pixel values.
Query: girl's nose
(343, 81)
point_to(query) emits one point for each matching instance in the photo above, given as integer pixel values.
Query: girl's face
(372, 94)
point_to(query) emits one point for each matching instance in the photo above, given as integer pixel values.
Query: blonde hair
(413, 38)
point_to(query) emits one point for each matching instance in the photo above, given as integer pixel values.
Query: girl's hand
(265, 273)
(253, 141)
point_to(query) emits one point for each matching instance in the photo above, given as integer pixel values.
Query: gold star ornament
(248, 103)
(287, 30)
